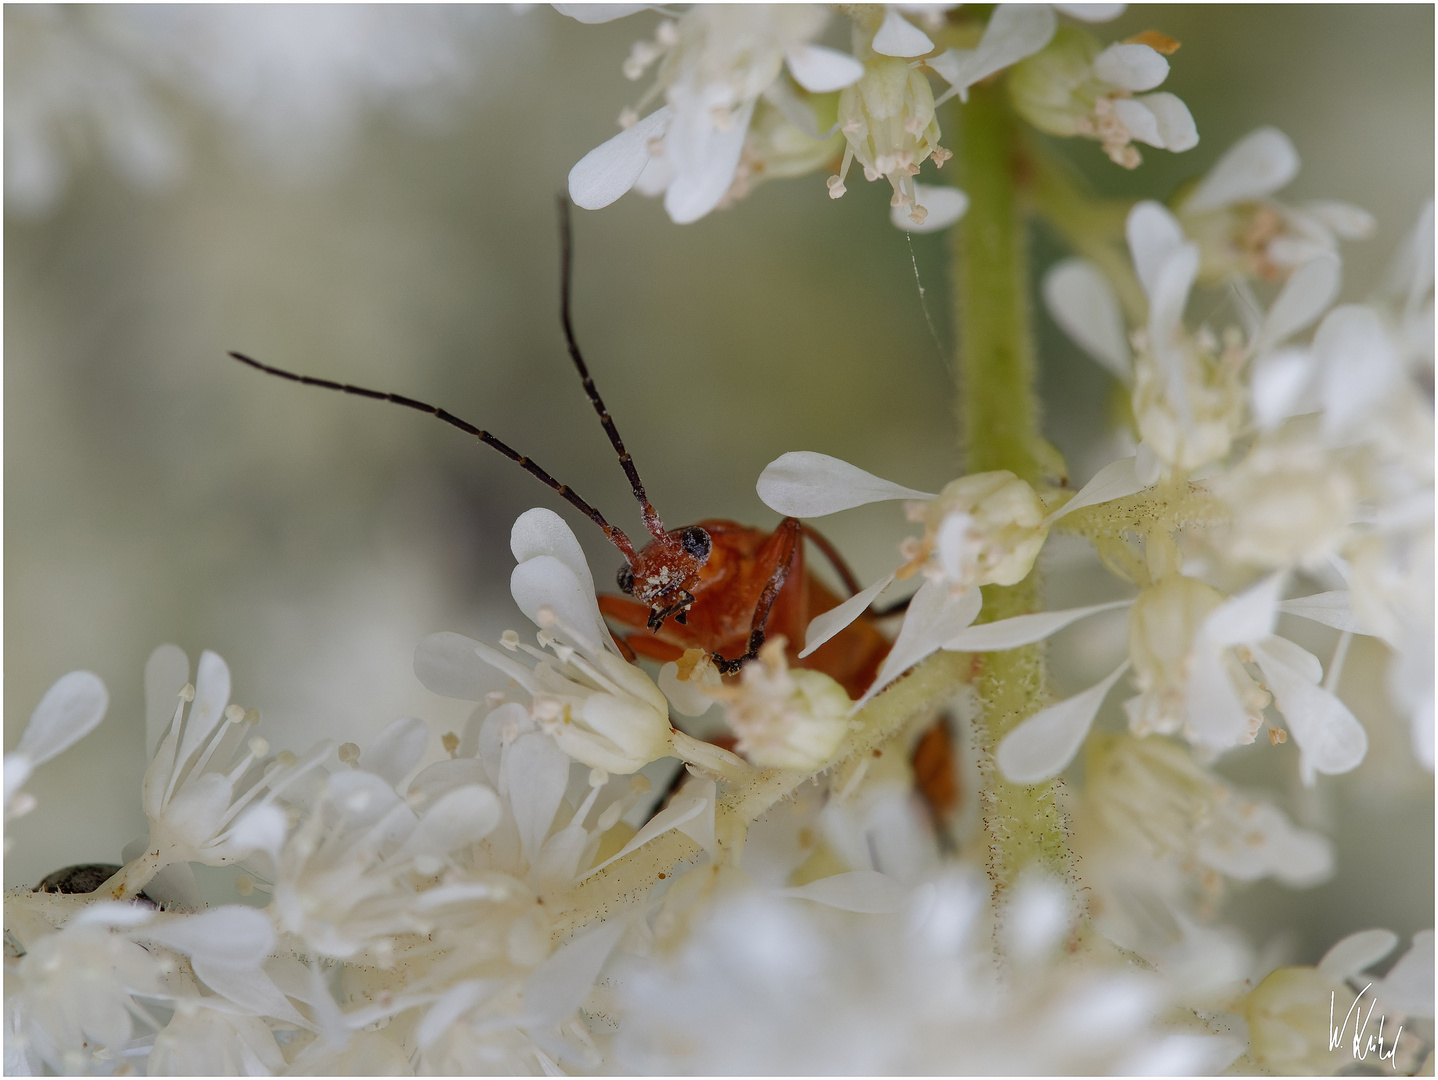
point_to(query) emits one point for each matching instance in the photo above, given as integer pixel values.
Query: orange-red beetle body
(743, 563)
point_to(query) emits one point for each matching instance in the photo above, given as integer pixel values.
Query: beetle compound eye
(696, 542)
(625, 579)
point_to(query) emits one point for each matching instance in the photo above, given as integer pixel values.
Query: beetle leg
(835, 559)
(789, 531)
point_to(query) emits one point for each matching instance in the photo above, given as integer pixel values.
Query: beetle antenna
(615, 535)
(651, 516)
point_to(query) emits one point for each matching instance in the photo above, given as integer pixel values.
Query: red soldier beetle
(716, 586)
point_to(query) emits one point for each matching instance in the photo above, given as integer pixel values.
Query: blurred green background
(368, 195)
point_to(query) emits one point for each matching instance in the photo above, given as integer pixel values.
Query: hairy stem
(999, 414)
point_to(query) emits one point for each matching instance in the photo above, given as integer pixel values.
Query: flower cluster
(750, 93)
(911, 856)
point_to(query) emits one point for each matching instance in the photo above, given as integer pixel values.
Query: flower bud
(888, 119)
(1194, 424)
(1288, 1020)
(785, 718)
(619, 728)
(1074, 86)
(983, 529)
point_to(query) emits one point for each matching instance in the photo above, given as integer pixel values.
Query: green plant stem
(999, 417)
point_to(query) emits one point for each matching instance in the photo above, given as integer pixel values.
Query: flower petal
(687, 698)
(396, 750)
(591, 14)
(262, 829)
(167, 670)
(1356, 953)
(705, 158)
(1333, 609)
(1216, 717)
(945, 205)
(212, 694)
(1042, 746)
(1266, 843)
(463, 996)
(899, 37)
(543, 532)
(1170, 296)
(1282, 386)
(560, 984)
(1174, 123)
(1131, 67)
(542, 584)
(458, 818)
(536, 774)
(1154, 235)
(1116, 480)
(1024, 629)
(447, 664)
(611, 168)
(802, 483)
(1295, 657)
(1083, 303)
(1408, 986)
(935, 616)
(1091, 13)
(865, 891)
(1330, 737)
(822, 70)
(825, 626)
(673, 816)
(1014, 32)
(1139, 119)
(1257, 165)
(1248, 616)
(1358, 365)
(1346, 220)
(69, 711)
(1306, 295)
(233, 936)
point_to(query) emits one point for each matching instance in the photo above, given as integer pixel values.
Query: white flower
(1189, 645)
(1013, 32)
(203, 1041)
(1343, 468)
(982, 529)
(1294, 500)
(70, 710)
(888, 121)
(1189, 397)
(1151, 793)
(1289, 1013)
(1241, 230)
(1158, 837)
(821, 988)
(81, 992)
(206, 770)
(784, 718)
(715, 63)
(1076, 87)
(73, 1003)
